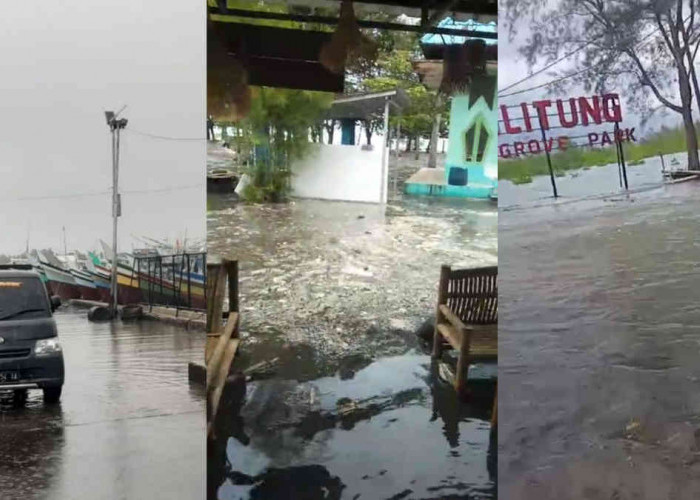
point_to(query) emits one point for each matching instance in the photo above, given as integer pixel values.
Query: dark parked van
(30, 354)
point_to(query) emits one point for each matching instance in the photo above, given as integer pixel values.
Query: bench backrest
(471, 294)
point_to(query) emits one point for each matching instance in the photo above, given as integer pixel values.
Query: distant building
(465, 68)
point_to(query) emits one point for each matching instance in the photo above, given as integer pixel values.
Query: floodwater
(335, 291)
(586, 183)
(599, 346)
(346, 278)
(128, 424)
(388, 430)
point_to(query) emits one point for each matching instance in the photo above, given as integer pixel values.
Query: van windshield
(22, 298)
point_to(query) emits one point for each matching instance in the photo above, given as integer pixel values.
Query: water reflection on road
(128, 424)
(599, 348)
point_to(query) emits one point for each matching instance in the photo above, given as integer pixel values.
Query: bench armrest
(452, 318)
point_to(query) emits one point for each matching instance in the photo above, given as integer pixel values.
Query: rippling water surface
(599, 351)
(389, 429)
(128, 424)
(335, 291)
(345, 277)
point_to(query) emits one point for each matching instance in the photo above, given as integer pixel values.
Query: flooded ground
(586, 183)
(600, 347)
(128, 424)
(346, 278)
(354, 410)
(387, 431)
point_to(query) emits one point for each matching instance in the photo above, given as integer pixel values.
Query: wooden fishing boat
(59, 280)
(101, 280)
(128, 289)
(87, 287)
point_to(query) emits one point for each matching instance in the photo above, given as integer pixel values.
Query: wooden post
(232, 272)
(463, 361)
(442, 299)
(214, 364)
(222, 343)
(189, 281)
(216, 282)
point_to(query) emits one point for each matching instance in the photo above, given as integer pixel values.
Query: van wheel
(52, 394)
(20, 398)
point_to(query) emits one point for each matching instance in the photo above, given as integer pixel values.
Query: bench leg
(463, 363)
(437, 343)
(442, 299)
(494, 412)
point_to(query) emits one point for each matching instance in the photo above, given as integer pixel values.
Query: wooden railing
(222, 336)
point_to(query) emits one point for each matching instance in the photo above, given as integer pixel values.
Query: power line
(58, 196)
(101, 193)
(547, 84)
(165, 137)
(532, 75)
(164, 190)
(642, 42)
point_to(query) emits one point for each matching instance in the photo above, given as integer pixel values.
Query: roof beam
(440, 11)
(304, 18)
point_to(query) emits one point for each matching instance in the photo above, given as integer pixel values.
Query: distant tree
(393, 69)
(278, 129)
(650, 44)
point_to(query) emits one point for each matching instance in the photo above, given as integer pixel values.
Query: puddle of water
(128, 424)
(389, 431)
(598, 335)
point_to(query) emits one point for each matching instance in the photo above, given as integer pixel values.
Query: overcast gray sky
(512, 67)
(63, 64)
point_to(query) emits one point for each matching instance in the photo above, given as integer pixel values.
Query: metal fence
(176, 280)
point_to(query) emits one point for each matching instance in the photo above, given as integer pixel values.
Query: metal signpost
(549, 160)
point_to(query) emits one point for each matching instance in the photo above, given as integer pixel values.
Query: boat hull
(61, 283)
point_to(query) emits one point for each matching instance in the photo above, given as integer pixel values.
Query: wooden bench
(467, 317)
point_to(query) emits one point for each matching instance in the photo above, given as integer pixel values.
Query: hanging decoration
(348, 45)
(461, 63)
(228, 93)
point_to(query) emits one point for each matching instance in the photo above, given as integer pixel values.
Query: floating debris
(323, 276)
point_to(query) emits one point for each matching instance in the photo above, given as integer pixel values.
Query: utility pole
(115, 126)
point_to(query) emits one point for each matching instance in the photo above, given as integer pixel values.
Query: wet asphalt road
(128, 424)
(599, 348)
